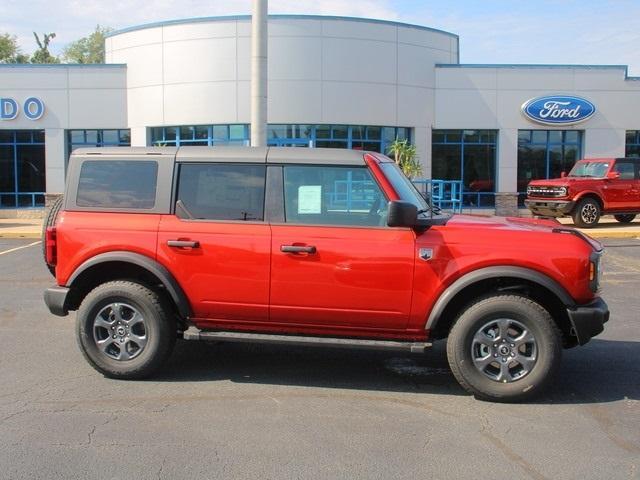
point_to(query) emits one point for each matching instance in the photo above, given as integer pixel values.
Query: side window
(222, 191)
(626, 170)
(333, 196)
(117, 184)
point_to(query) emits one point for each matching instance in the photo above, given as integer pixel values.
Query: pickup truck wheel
(125, 330)
(49, 220)
(586, 213)
(504, 348)
(624, 218)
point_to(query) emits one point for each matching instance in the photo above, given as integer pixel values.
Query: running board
(193, 333)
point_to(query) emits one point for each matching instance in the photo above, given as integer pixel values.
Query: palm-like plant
(406, 157)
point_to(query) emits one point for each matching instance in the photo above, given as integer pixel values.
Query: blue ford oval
(558, 109)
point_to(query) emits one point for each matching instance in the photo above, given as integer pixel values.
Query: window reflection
(470, 156)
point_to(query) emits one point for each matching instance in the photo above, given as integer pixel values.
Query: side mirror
(613, 175)
(563, 174)
(402, 214)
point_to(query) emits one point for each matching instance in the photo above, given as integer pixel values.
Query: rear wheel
(504, 348)
(624, 218)
(49, 220)
(125, 330)
(586, 213)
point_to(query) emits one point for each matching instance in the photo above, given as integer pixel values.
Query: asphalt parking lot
(246, 411)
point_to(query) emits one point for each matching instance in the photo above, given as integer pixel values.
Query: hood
(486, 224)
(559, 182)
(504, 223)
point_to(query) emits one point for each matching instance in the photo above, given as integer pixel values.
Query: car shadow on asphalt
(319, 367)
(602, 371)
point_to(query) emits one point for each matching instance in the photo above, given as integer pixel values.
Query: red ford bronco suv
(313, 247)
(593, 187)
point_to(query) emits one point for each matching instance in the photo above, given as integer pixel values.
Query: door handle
(298, 249)
(183, 243)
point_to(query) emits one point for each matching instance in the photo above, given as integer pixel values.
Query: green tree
(42, 54)
(10, 51)
(88, 49)
(406, 156)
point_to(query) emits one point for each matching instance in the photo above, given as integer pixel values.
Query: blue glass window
(632, 144)
(22, 168)
(98, 138)
(204, 135)
(470, 156)
(546, 154)
(357, 137)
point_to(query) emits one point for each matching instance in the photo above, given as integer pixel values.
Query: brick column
(507, 204)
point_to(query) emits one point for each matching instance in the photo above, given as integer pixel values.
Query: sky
(491, 31)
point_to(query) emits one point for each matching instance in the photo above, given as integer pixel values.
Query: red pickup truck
(594, 187)
(312, 247)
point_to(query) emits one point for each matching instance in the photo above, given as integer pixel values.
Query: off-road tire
(530, 314)
(49, 220)
(586, 213)
(160, 328)
(628, 218)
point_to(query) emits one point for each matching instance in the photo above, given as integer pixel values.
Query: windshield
(589, 169)
(403, 186)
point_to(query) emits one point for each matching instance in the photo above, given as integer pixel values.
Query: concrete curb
(612, 234)
(31, 235)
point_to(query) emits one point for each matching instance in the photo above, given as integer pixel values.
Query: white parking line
(20, 248)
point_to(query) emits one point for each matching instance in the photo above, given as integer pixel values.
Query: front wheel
(624, 218)
(504, 348)
(586, 214)
(125, 330)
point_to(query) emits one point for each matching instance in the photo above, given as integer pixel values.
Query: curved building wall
(322, 70)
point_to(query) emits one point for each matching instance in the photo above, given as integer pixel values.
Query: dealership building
(333, 82)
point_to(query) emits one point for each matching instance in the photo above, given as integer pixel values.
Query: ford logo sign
(558, 109)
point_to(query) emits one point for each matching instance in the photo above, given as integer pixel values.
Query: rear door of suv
(334, 261)
(216, 243)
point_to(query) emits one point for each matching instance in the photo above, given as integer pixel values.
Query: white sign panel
(310, 199)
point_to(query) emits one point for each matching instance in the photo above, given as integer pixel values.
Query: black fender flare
(495, 272)
(159, 271)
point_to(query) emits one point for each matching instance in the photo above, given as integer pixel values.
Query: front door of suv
(217, 244)
(334, 261)
(620, 191)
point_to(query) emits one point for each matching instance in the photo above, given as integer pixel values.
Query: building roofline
(275, 17)
(624, 68)
(65, 65)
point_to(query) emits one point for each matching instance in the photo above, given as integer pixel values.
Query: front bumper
(550, 208)
(56, 299)
(588, 320)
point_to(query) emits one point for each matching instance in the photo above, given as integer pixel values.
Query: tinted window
(117, 184)
(222, 191)
(626, 170)
(333, 196)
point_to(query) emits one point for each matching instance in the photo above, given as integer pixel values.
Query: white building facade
(333, 82)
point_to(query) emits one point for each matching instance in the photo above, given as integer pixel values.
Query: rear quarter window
(118, 184)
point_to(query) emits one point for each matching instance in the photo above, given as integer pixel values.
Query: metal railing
(444, 194)
(22, 199)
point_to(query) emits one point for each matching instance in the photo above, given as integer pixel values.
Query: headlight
(562, 191)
